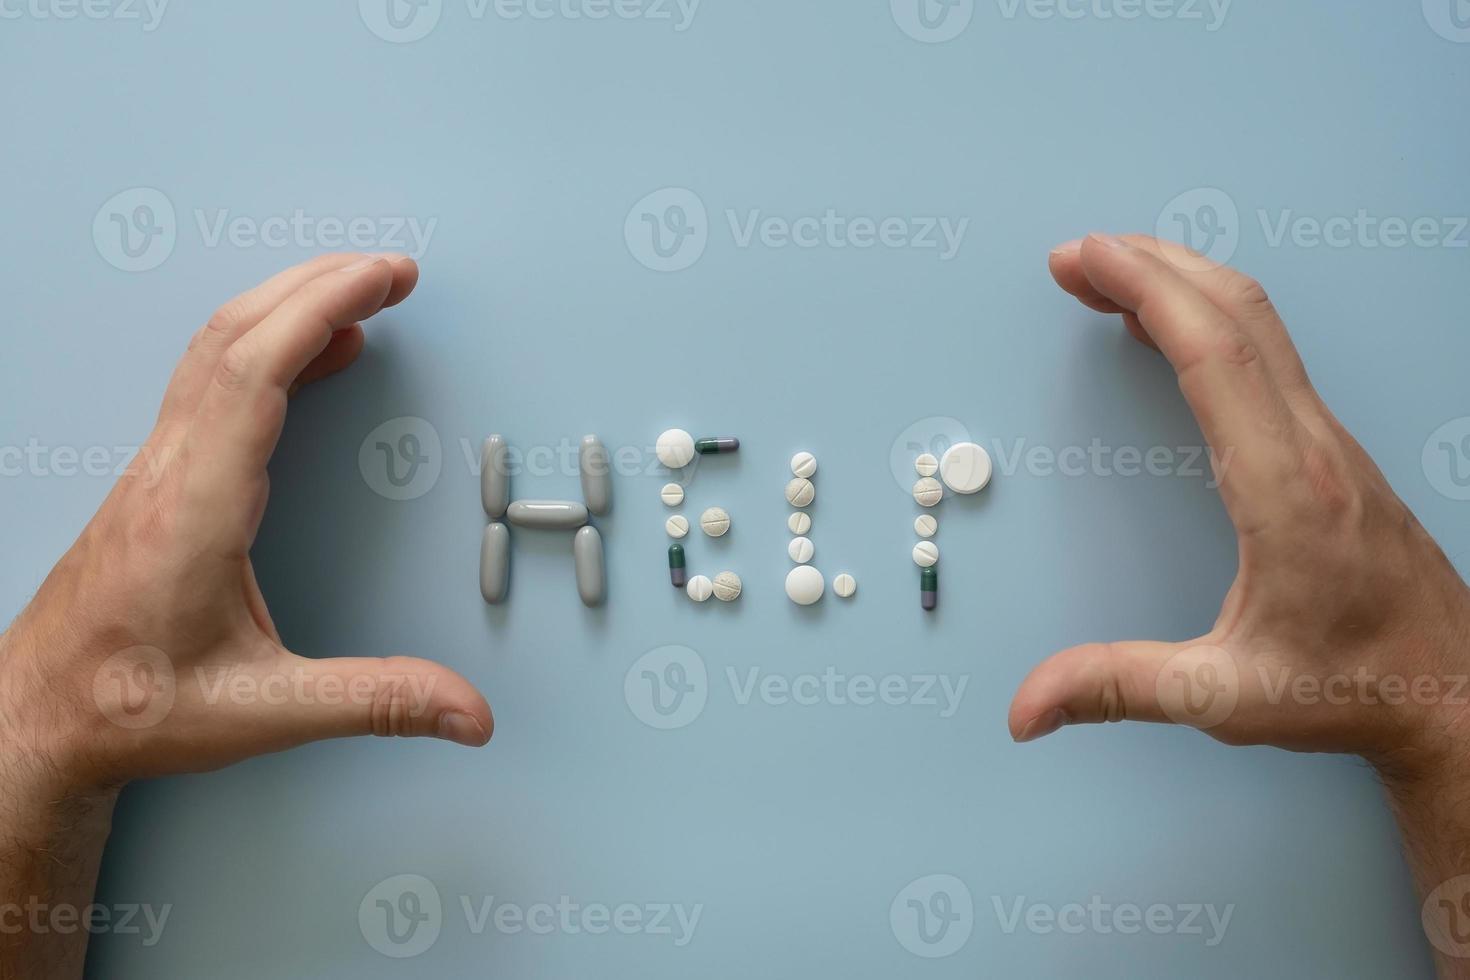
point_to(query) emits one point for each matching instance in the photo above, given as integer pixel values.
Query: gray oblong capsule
(495, 563)
(596, 475)
(587, 556)
(494, 477)
(555, 515)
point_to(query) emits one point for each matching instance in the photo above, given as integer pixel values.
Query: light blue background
(794, 827)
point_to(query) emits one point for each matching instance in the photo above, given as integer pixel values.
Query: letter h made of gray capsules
(555, 515)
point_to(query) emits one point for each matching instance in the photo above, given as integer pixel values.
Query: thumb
(395, 696)
(1100, 682)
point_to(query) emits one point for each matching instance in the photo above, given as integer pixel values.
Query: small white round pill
(804, 465)
(700, 588)
(844, 585)
(928, 491)
(805, 585)
(965, 468)
(715, 521)
(925, 526)
(926, 554)
(677, 526)
(727, 586)
(799, 523)
(800, 492)
(801, 550)
(672, 494)
(675, 448)
(926, 464)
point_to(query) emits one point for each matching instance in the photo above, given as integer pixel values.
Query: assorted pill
(717, 446)
(587, 557)
(495, 563)
(672, 494)
(844, 585)
(675, 448)
(801, 550)
(678, 577)
(494, 477)
(965, 468)
(800, 492)
(554, 515)
(677, 526)
(926, 554)
(596, 470)
(926, 525)
(727, 586)
(715, 522)
(804, 465)
(929, 589)
(928, 491)
(799, 523)
(805, 585)
(700, 588)
(926, 464)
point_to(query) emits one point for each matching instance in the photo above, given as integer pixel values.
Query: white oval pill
(727, 586)
(925, 526)
(800, 492)
(926, 464)
(805, 585)
(677, 526)
(844, 585)
(928, 491)
(715, 521)
(700, 588)
(804, 465)
(926, 554)
(799, 523)
(801, 550)
(965, 468)
(675, 448)
(672, 494)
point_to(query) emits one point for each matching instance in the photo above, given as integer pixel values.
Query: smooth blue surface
(794, 827)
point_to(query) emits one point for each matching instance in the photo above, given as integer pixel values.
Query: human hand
(149, 649)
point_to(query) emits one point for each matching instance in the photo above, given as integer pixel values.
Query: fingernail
(456, 726)
(1042, 725)
(361, 264)
(1066, 248)
(390, 256)
(1108, 240)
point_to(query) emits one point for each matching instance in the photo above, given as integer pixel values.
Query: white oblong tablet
(928, 491)
(844, 585)
(675, 448)
(804, 465)
(926, 526)
(700, 588)
(800, 492)
(799, 523)
(672, 494)
(805, 585)
(677, 526)
(926, 554)
(801, 550)
(926, 464)
(965, 468)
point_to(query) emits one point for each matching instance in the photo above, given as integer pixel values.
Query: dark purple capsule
(929, 589)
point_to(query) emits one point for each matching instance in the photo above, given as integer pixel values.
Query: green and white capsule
(717, 446)
(677, 575)
(929, 589)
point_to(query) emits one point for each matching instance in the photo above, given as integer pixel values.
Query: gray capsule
(555, 515)
(495, 563)
(596, 476)
(494, 477)
(591, 577)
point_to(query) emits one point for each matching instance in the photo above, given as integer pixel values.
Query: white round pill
(926, 464)
(799, 523)
(677, 526)
(700, 588)
(965, 468)
(800, 492)
(844, 585)
(715, 521)
(804, 465)
(805, 585)
(926, 554)
(928, 491)
(801, 550)
(925, 526)
(727, 586)
(672, 494)
(675, 448)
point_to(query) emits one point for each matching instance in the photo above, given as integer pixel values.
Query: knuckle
(392, 706)
(222, 323)
(233, 371)
(1238, 349)
(1329, 486)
